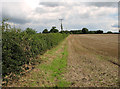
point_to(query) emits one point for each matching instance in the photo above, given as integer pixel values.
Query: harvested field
(92, 60)
(79, 61)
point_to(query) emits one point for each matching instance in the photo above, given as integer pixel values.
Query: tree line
(83, 31)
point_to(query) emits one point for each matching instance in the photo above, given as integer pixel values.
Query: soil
(91, 60)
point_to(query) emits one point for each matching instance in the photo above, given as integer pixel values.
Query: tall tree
(85, 30)
(45, 31)
(54, 30)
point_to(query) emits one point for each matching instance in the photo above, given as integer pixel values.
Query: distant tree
(99, 31)
(30, 31)
(84, 30)
(73, 31)
(54, 30)
(76, 31)
(65, 32)
(45, 31)
(79, 31)
(92, 32)
(109, 32)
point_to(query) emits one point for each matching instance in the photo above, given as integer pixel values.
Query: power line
(61, 24)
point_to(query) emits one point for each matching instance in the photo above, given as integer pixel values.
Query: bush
(30, 31)
(20, 47)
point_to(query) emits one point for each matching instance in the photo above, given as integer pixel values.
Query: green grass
(56, 68)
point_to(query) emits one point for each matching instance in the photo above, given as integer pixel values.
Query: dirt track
(91, 60)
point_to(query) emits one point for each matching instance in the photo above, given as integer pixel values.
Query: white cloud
(76, 15)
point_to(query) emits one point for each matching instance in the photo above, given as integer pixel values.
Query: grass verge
(50, 72)
(56, 68)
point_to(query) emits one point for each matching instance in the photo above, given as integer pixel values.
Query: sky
(77, 14)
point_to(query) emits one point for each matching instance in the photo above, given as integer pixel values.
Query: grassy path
(50, 72)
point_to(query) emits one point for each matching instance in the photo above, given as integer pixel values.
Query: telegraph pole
(61, 24)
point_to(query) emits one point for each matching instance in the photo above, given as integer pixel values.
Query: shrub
(18, 48)
(30, 31)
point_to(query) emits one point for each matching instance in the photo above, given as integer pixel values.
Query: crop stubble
(91, 60)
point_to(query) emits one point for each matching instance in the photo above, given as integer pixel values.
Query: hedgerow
(22, 47)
